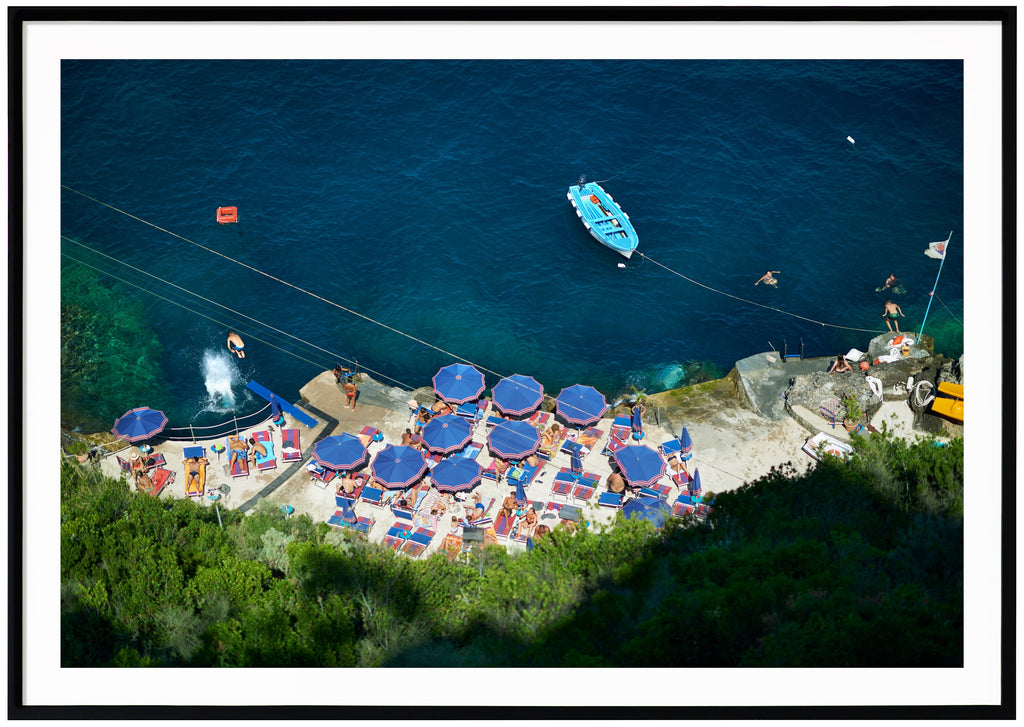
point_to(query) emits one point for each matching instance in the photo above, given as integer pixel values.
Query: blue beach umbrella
(685, 445)
(517, 395)
(457, 474)
(641, 466)
(458, 383)
(446, 434)
(341, 452)
(513, 439)
(397, 466)
(638, 423)
(581, 405)
(520, 492)
(576, 464)
(652, 509)
(695, 485)
(138, 424)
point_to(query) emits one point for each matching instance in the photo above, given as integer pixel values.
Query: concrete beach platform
(740, 427)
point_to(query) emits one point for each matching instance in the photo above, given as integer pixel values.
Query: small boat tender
(602, 217)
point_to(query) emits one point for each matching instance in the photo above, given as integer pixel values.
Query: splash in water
(219, 374)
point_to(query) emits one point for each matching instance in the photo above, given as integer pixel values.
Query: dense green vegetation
(853, 564)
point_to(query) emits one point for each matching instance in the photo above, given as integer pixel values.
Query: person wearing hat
(138, 465)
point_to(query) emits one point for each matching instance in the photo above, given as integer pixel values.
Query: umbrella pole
(192, 432)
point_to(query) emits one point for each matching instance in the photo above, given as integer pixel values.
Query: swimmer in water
(236, 344)
(767, 278)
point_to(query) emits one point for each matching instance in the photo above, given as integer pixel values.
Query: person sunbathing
(144, 483)
(840, 366)
(257, 447)
(551, 435)
(193, 468)
(347, 485)
(508, 506)
(237, 446)
(422, 418)
(528, 525)
(441, 407)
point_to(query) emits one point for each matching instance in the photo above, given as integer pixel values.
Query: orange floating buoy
(864, 365)
(227, 215)
(594, 199)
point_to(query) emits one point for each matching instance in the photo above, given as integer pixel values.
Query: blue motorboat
(602, 217)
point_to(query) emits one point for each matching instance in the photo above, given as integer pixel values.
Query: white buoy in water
(850, 139)
(622, 265)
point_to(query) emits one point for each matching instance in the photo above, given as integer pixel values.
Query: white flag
(937, 250)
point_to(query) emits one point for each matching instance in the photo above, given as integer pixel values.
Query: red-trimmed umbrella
(138, 424)
(446, 434)
(458, 383)
(517, 394)
(397, 466)
(580, 405)
(641, 466)
(513, 439)
(341, 452)
(456, 474)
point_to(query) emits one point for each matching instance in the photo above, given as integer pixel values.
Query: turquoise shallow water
(430, 197)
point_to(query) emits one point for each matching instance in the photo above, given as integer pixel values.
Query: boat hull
(603, 218)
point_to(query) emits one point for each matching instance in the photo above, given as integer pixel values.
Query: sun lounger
(585, 488)
(492, 421)
(291, 449)
(151, 461)
(503, 525)
(372, 495)
(160, 477)
(241, 466)
(472, 450)
(418, 542)
(195, 486)
(681, 478)
(268, 462)
(539, 418)
(397, 535)
(452, 545)
(563, 484)
(363, 524)
(682, 509)
(669, 448)
(319, 474)
(619, 435)
(611, 500)
(702, 511)
(657, 490)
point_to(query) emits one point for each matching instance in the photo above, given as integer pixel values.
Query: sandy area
(732, 446)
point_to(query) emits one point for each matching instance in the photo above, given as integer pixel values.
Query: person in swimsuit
(891, 314)
(350, 392)
(891, 282)
(840, 366)
(616, 484)
(237, 446)
(257, 447)
(767, 278)
(193, 467)
(236, 344)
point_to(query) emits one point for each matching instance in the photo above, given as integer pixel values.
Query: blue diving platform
(267, 394)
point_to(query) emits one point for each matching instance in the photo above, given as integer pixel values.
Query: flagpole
(931, 295)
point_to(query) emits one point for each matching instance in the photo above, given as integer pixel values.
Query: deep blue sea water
(430, 197)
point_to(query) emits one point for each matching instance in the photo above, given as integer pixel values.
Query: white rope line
(230, 310)
(279, 280)
(752, 302)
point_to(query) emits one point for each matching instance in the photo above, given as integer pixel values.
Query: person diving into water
(235, 344)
